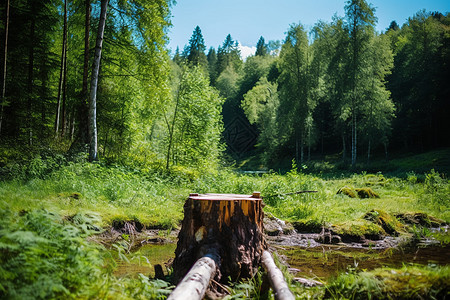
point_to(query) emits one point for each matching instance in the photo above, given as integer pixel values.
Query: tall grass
(156, 199)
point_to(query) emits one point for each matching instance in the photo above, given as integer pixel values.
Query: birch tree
(360, 22)
(93, 148)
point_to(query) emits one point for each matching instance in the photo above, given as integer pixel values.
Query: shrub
(42, 257)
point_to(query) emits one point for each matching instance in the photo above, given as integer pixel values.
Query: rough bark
(93, 148)
(3, 100)
(230, 224)
(276, 279)
(195, 283)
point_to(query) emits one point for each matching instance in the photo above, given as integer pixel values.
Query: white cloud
(246, 51)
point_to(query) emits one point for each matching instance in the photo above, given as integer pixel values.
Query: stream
(328, 261)
(321, 262)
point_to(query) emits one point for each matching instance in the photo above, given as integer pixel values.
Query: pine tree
(261, 47)
(196, 49)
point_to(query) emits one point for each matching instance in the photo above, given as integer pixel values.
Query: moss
(389, 223)
(356, 231)
(347, 191)
(375, 179)
(366, 193)
(420, 219)
(309, 226)
(358, 193)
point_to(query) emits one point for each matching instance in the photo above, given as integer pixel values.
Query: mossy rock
(389, 223)
(309, 226)
(347, 191)
(366, 193)
(361, 193)
(274, 226)
(419, 218)
(358, 231)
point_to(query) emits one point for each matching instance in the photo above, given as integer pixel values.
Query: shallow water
(328, 261)
(320, 262)
(144, 260)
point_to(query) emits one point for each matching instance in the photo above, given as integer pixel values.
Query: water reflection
(143, 260)
(328, 261)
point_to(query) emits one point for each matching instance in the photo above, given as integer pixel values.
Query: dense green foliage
(345, 89)
(43, 258)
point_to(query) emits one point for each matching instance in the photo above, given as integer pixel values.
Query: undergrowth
(49, 207)
(44, 256)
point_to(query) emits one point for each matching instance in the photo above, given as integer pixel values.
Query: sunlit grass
(157, 199)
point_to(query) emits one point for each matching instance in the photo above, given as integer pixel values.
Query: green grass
(112, 192)
(88, 196)
(156, 199)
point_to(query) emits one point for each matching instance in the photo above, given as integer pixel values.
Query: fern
(42, 258)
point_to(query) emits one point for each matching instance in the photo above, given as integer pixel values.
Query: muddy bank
(376, 230)
(282, 233)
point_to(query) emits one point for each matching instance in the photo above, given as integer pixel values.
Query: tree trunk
(62, 73)
(64, 109)
(93, 150)
(368, 153)
(276, 279)
(229, 225)
(386, 151)
(171, 127)
(3, 100)
(30, 78)
(354, 140)
(344, 149)
(83, 110)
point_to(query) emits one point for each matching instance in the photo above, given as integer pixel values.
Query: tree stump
(228, 225)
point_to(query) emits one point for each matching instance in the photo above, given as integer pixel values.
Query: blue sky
(247, 20)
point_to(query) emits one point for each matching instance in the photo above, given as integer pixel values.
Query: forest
(340, 88)
(104, 129)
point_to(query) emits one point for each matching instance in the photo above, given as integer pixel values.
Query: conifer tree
(196, 49)
(261, 47)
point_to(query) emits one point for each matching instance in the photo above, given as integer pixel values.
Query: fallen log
(276, 279)
(195, 283)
